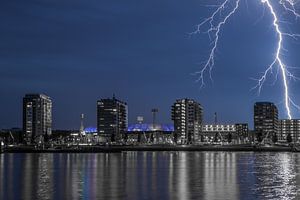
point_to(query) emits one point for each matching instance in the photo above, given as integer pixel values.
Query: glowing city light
(216, 24)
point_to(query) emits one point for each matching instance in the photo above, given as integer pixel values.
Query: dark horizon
(79, 52)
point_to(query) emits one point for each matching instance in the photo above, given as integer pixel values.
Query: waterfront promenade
(120, 148)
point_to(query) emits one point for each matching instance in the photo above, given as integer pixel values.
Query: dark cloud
(79, 51)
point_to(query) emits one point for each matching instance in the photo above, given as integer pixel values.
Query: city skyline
(150, 99)
(111, 111)
(80, 53)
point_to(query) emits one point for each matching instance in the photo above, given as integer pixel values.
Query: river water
(151, 175)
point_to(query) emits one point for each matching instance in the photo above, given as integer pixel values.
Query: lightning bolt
(215, 25)
(214, 32)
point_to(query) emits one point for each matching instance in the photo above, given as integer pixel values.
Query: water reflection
(220, 176)
(150, 175)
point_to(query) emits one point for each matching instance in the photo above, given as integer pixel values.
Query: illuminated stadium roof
(139, 127)
(90, 130)
(149, 127)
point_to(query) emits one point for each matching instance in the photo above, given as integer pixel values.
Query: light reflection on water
(150, 175)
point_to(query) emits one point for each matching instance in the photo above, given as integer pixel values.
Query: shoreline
(119, 149)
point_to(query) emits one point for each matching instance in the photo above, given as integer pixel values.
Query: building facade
(265, 120)
(220, 133)
(289, 127)
(242, 130)
(187, 115)
(217, 132)
(213, 128)
(37, 117)
(112, 118)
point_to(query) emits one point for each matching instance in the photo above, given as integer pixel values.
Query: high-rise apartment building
(37, 117)
(112, 118)
(265, 119)
(289, 127)
(187, 115)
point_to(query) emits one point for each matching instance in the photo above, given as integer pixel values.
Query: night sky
(80, 51)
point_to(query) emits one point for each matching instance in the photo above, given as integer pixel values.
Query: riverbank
(118, 149)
